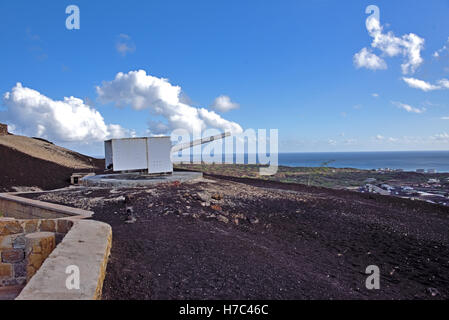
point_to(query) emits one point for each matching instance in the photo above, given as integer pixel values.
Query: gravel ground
(234, 238)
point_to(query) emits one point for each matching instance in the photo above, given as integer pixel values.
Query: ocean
(406, 160)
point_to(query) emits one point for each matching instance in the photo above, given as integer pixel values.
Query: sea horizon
(365, 160)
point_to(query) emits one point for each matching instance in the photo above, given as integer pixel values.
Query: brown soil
(45, 150)
(21, 168)
(252, 239)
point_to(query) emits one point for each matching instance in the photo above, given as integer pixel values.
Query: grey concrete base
(127, 180)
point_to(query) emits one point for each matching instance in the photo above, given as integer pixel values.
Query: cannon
(148, 153)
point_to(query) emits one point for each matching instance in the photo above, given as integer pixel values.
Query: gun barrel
(191, 144)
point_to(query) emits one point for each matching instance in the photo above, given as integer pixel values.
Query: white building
(151, 153)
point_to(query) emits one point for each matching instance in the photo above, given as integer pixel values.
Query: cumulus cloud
(224, 104)
(34, 114)
(143, 91)
(366, 59)
(409, 46)
(157, 127)
(116, 131)
(124, 44)
(408, 108)
(426, 86)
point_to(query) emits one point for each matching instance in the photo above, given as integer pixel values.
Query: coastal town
(434, 190)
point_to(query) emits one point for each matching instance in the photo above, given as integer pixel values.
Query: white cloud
(443, 83)
(441, 137)
(444, 118)
(70, 119)
(426, 86)
(224, 104)
(437, 53)
(142, 91)
(409, 108)
(409, 46)
(380, 137)
(366, 59)
(124, 44)
(419, 84)
(116, 131)
(385, 139)
(375, 95)
(157, 127)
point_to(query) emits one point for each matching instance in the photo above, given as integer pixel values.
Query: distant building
(433, 181)
(431, 171)
(3, 129)
(407, 189)
(375, 189)
(420, 171)
(370, 180)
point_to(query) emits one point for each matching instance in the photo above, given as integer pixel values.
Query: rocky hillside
(30, 162)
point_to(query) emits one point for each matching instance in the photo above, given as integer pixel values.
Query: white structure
(150, 153)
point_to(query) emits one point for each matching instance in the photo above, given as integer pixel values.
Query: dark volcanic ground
(18, 169)
(252, 239)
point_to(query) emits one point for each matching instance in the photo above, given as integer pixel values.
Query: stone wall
(3, 129)
(32, 231)
(87, 245)
(25, 244)
(13, 206)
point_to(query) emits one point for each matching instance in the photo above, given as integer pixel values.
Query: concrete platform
(129, 180)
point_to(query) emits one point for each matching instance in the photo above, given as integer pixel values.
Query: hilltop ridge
(32, 162)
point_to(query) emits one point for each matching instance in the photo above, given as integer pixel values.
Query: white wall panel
(159, 152)
(129, 154)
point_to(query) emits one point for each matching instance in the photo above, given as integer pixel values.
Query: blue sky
(287, 65)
